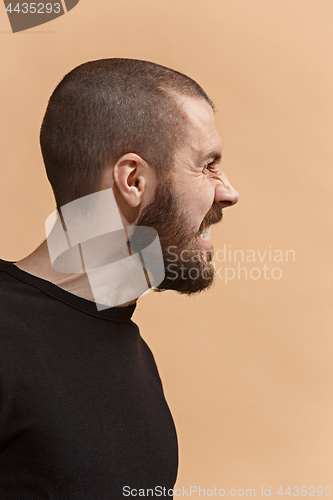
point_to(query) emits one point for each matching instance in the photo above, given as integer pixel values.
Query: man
(82, 410)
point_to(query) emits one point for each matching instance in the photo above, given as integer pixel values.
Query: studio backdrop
(246, 367)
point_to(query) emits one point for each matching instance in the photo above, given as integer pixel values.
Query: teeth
(205, 233)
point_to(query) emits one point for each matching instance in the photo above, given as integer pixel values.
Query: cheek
(207, 195)
(197, 197)
(201, 204)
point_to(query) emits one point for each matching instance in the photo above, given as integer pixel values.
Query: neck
(38, 263)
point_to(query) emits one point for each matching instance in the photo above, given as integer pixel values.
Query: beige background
(247, 368)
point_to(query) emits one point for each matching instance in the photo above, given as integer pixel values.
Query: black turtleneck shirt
(82, 410)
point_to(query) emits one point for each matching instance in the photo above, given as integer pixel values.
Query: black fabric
(82, 410)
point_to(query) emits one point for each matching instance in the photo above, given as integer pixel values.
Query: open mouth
(214, 216)
(204, 233)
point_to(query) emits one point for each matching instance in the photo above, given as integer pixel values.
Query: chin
(190, 279)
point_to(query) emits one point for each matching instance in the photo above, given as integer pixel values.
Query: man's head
(104, 109)
(149, 133)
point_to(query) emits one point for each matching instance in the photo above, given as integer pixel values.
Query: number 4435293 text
(34, 8)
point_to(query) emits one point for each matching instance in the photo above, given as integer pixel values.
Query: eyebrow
(213, 155)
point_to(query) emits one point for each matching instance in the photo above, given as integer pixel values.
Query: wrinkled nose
(225, 194)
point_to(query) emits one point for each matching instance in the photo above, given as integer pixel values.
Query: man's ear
(131, 176)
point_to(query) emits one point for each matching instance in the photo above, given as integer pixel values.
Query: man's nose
(225, 194)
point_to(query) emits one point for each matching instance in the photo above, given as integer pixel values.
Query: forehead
(203, 136)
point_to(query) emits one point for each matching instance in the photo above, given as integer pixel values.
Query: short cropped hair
(104, 109)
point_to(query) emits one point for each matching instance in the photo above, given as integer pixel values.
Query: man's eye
(209, 165)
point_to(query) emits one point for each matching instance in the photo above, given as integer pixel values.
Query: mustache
(214, 216)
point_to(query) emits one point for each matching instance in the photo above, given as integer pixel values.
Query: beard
(178, 237)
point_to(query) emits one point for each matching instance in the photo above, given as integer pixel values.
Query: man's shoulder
(11, 290)
(17, 305)
(8, 284)
(14, 330)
